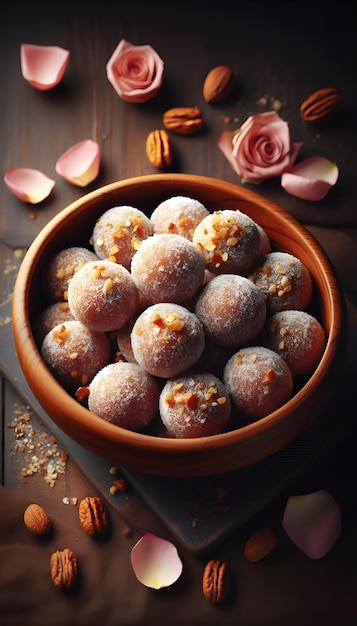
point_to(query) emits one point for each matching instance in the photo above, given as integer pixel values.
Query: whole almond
(215, 581)
(183, 120)
(219, 84)
(158, 148)
(93, 517)
(63, 568)
(261, 543)
(37, 520)
(321, 105)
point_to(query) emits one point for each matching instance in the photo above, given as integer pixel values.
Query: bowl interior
(159, 455)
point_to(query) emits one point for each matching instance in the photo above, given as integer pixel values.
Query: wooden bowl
(160, 455)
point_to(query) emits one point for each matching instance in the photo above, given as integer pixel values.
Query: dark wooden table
(283, 50)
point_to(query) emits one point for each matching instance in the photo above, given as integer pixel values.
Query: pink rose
(261, 148)
(136, 72)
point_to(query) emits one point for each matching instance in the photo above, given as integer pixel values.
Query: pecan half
(158, 148)
(93, 517)
(215, 581)
(63, 568)
(183, 120)
(321, 105)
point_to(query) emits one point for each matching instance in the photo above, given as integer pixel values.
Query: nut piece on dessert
(158, 149)
(37, 520)
(63, 568)
(216, 581)
(93, 517)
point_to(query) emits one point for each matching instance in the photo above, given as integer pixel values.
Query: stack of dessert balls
(187, 319)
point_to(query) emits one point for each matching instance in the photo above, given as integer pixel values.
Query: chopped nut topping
(61, 335)
(270, 376)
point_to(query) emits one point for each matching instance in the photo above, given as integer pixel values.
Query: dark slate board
(199, 512)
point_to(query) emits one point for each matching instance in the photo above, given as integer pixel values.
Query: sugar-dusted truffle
(232, 310)
(102, 295)
(194, 405)
(168, 268)
(60, 269)
(49, 317)
(74, 354)
(125, 395)
(178, 215)
(258, 381)
(229, 241)
(167, 339)
(118, 233)
(298, 337)
(284, 280)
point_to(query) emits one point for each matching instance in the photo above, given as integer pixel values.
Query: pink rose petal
(80, 164)
(29, 185)
(136, 72)
(313, 522)
(155, 562)
(311, 179)
(43, 66)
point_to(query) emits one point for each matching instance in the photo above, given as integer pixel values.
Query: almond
(261, 543)
(321, 105)
(37, 520)
(219, 84)
(183, 120)
(158, 148)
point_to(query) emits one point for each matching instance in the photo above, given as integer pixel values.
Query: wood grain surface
(282, 50)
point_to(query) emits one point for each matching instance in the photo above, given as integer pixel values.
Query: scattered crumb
(39, 449)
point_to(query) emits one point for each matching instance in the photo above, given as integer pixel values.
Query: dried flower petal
(43, 66)
(29, 185)
(80, 164)
(155, 562)
(136, 72)
(313, 522)
(311, 179)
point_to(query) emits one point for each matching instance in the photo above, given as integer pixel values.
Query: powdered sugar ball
(258, 381)
(49, 317)
(74, 354)
(125, 395)
(229, 241)
(60, 270)
(178, 215)
(232, 310)
(168, 268)
(284, 280)
(118, 233)
(102, 295)
(298, 337)
(194, 405)
(167, 339)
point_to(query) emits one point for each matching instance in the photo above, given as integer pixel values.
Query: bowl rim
(24, 339)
